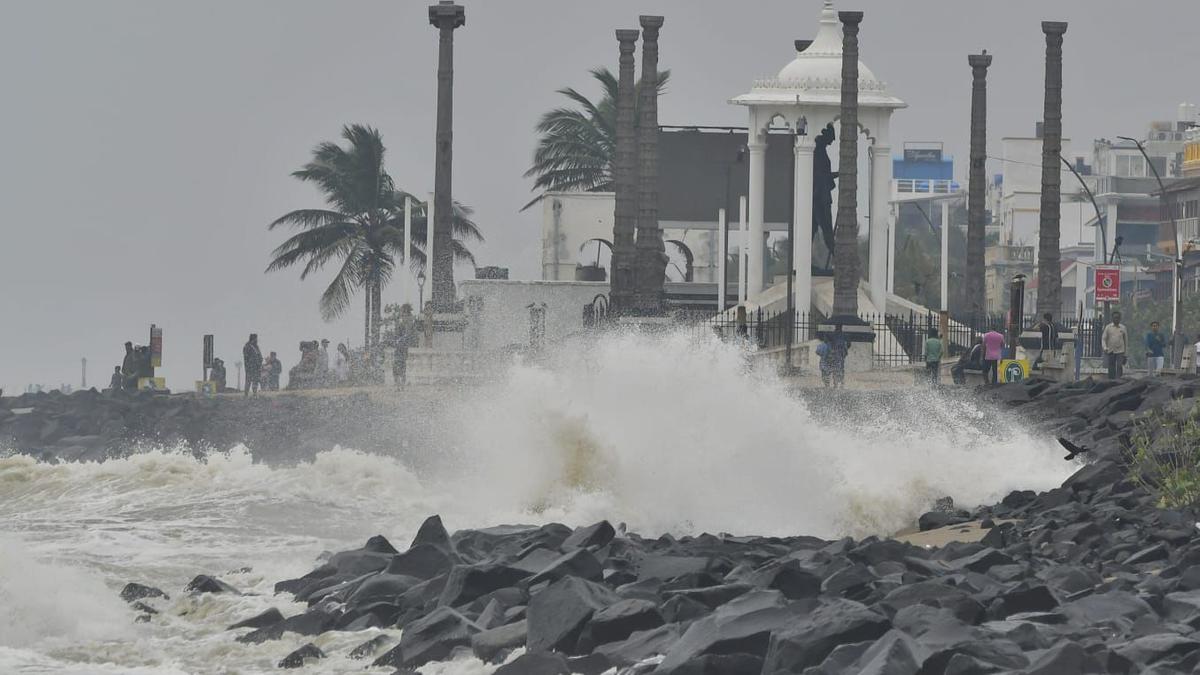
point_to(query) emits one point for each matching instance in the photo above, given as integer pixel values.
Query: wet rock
(592, 536)
(577, 563)
(206, 584)
(618, 621)
(1101, 607)
(808, 640)
(668, 567)
(558, 613)
(134, 591)
(368, 649)
(468, 582)
(1065, 658)
(297, 658)
(743, 625)
(422, 561)
(935, 519)
(536, 663)
(490, 645)
(641, 645)
(432, 638)
(1149, 650)
(712, 596)
(268, 618)
(389, 587)
(681, 609)
(787, 577)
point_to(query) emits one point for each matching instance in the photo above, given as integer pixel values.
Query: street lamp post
(1177, 341)
(421, 289)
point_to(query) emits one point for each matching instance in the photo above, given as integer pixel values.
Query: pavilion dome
(822, 61)
(815, 75)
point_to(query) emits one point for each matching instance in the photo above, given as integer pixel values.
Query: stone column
(754, 244)
(845, 258)
(802, 246)
(877, 256)
(977, 188)
(625, 212)
(1049, 295)
(445, 16)
(651, 254)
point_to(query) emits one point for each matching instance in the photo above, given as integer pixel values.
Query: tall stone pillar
(625, 213)
(803, 208)
(977, 189)
(1049, 294)
(651, 254)
(758, 191)
(445, 16)
(845, 257)
(877, 252)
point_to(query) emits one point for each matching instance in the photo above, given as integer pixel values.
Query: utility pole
(83, 384)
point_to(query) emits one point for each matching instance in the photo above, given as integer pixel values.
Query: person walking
(972, 359)
(406, 335)
(252, 360)
(1115, 343)
(825, 361)
(993, 351)
(1156, 342)
(839, 349)
(933, 356)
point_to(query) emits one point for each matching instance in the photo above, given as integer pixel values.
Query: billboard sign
(1108, 283)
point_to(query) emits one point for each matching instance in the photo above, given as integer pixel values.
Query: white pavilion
(804, 97)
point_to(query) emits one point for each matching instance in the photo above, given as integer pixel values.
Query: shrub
(1165, 457)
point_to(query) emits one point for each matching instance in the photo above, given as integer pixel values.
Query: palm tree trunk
(367, 325)
(976, 228)
(845, 236)
(1049, 294)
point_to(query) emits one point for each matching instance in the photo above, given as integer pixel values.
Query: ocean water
(678, 437)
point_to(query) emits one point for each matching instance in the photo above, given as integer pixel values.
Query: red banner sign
(1108, 283)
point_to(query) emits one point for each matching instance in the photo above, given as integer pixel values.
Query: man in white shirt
(1115, 342)
(1196, 361)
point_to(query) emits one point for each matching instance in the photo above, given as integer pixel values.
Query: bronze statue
(824, 184)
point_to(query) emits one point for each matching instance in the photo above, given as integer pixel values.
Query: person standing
(427, 324)
(342, 364)
(129, 368)
(117, 383)
(993, 351)
(1156, 342)
(272, 369)
(933, 355)
(406, 334)
(972, 358)
(1115, 342)
(839, 350)
(253, 360)
(1196, 359)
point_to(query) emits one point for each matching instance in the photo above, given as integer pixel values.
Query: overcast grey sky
(147, 143)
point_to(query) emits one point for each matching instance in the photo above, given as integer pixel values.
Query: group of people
(831, 353)
(315, 368)
(134, 366)
(260, 373)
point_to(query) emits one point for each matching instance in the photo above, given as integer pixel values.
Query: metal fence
(899, 339)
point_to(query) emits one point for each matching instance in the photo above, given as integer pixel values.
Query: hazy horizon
(149, 143)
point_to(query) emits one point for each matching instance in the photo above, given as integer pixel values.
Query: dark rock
(491, 616)
(681, 609)
(722, 664)
(1026, 598)
(296, 659)
(423, 561)
(808, 640)
(558, 613)
(618, 621)
(937, 594)
(468, 582)
(742, 626)
(641, 645)
(592, 664)
(433, 533)
(895, 653)
(667, 567)
(296, 585)
(535, 663)
(981, 656)
(206, 584)
(261, 635)
(1151, 649)
(592, 536)
(360, 561)
(1153, 553)
(577, 563)
(1019, 498)
(787, 577)
(491, 644)
(1101, 607)
(383, 586)
(268, 618)
(935, 519)
(984, 560)
(313, 622)
(133, 591)
(367, 649)
(1064, 658)
(431, 638)
(712, 596)
(379, 544)
(849, 581)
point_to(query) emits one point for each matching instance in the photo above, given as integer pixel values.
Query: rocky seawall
(1089, 577)
(93, 426)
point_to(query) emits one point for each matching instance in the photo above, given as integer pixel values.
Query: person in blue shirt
(1155, 343)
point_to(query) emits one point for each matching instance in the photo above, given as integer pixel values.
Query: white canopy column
(802, 247)
(881, 186)
(758, 191)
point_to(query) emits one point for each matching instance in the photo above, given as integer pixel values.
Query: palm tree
(360, 229)
(578, 146)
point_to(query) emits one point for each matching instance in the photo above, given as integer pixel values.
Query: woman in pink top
(993, 350)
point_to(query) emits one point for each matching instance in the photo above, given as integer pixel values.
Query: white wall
(504, 317)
